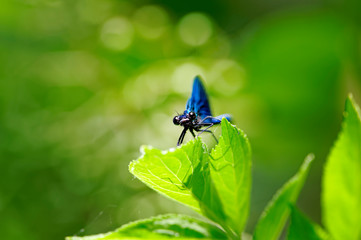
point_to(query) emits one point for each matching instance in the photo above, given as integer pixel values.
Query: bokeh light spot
(151, 22)
(117, 33)
(184, 74)
(228, 75)
(195, 29)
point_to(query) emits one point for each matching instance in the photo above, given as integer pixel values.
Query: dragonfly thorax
(186, 120)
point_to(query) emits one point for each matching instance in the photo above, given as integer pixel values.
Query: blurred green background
(85, 83)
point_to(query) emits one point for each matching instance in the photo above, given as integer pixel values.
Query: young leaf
(231, 173)
(275, 215)
(341, 196)
(162, 227)
(302, 228)
(168, 172)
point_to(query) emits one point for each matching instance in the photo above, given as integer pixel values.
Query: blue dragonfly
(197, 114)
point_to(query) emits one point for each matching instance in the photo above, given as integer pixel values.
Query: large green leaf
(341, 196)
(302, 228)
(231, 174)
(170, 172)
(162, 227)
(183, 175)
(275, 215)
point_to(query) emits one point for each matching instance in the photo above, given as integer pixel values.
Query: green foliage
(273, 219)
(217, 185)
(163, 227)
(170, 172)
(302, 228)
(231, 174)
(341, 196)
(75, 105)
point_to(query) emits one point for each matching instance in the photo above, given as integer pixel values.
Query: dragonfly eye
(176, 120)
(192, 115)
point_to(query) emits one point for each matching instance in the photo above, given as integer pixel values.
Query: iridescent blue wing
(198, 102)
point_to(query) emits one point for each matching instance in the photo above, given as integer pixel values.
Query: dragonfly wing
(198, 102)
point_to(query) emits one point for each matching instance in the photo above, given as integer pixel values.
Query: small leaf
(162, 227)
(167, 172)
(231, 174)
(274, 217)
(302, 228)
(341, 196)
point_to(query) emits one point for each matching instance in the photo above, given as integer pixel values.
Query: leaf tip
(131, 166)
(309, 159)
(307, 162)
(351, 106)
(225, 121)
(144, 148)
(350, 96)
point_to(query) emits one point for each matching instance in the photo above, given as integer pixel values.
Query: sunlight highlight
(117, 33)
(184, 73)
(195, 29)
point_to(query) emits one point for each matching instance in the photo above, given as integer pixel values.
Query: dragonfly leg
(208, 131)
(204, 125)
(208, 117)
(205, 130)
(191, 130)
(181, 137)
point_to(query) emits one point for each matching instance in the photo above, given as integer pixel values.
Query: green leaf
(170, 172)
(275, 215)
(231, 174)
(204, 191)
(341, 196)
(217, 186)
(302, 228)
(183, 175)
(162, 227)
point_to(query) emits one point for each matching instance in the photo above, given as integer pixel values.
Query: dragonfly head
(192, 115)
(176, 120)
(185, 120)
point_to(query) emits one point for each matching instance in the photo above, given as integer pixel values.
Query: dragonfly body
(197, 113)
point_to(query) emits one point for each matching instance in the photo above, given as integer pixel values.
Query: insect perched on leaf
(198, 113)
